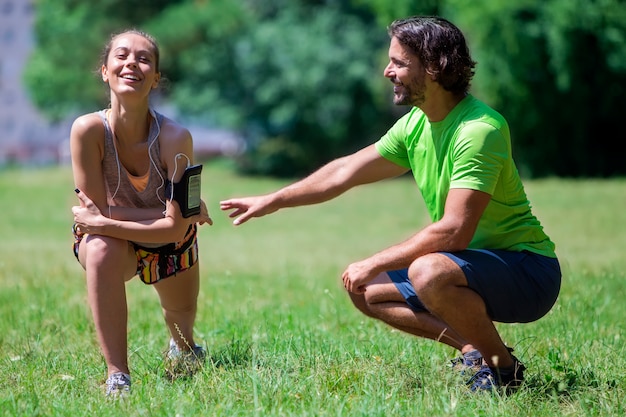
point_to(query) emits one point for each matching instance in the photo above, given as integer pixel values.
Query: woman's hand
(87, 216)
(203, 217)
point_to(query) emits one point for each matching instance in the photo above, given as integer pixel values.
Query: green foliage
(298, 82)
(306, 84)
(301, 80)
(197, 41)
(63, 73)
(56, 73)
(556, 70)
(386, 11)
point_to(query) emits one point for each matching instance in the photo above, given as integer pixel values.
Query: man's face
(407, 74)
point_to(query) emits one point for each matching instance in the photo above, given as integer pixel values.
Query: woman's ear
(105, 74)
(156, 81)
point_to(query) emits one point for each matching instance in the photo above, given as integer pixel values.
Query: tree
(557, 71)
(69, 36)
(301, 79)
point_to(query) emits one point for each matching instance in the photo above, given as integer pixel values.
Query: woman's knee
(97, 250)
(103, 246)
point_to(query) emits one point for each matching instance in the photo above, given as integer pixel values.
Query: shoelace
(483, 379)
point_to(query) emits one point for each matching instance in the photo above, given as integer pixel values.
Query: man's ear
(431, 74)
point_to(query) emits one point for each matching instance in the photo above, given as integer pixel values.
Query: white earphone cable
(152, 161)
(117, 161)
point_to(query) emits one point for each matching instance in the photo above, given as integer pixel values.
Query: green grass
(281, 333)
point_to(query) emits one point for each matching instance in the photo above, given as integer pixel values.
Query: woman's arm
(170, 226)
(87, 152)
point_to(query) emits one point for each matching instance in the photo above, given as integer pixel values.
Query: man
(485, 257)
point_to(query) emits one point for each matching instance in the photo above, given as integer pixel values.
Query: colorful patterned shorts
(155, 264)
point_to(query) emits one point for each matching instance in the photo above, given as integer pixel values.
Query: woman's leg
(179, 298)
(108, 263)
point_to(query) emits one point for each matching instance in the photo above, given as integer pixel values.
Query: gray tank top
(120, 191)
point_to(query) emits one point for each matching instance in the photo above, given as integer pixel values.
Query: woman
(123, 160)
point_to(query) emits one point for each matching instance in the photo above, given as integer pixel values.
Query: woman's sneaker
(183, 363)
(118, 385)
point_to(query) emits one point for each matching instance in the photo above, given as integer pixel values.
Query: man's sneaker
(183, 363)
(492, 379)
(468, 363)
(118, 385)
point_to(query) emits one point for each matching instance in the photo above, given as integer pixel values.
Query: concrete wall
(25, 135)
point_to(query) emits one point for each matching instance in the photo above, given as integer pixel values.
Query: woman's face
(131, 67)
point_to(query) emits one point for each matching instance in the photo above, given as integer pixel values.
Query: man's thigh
(517, 287)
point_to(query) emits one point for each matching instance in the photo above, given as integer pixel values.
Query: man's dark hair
(441, 48)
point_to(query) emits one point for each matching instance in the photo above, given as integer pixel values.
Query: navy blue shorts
(517, 287)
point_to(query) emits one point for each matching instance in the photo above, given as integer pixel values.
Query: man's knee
(422, 273)
(360, 302)
(430, 274)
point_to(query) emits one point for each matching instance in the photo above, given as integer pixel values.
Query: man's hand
(356, 276)
(248, 207)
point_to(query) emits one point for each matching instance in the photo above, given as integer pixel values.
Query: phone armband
(186, 192)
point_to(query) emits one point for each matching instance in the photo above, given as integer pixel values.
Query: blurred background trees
(557, 70)
(302, 80)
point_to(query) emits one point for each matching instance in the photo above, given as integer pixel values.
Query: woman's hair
(107, 48)
(441, 48)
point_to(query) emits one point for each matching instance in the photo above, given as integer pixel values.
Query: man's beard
(411, 96)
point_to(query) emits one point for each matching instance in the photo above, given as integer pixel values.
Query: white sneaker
(118, 385)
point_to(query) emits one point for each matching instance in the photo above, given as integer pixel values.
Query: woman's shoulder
(89, 123)
(172, 130)
(174, 139)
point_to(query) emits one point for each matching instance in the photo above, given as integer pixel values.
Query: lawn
(282, 336)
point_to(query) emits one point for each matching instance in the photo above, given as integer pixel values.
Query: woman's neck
(130, 125)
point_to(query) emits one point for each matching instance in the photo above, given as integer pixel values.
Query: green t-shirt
(470, 148)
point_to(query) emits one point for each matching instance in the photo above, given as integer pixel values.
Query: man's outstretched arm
(329, 181)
